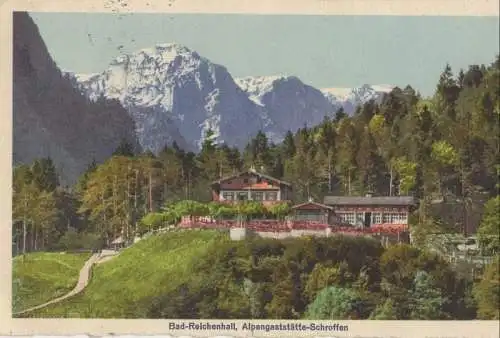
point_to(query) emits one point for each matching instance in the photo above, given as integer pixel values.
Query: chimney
(311, 199)
(252, 168)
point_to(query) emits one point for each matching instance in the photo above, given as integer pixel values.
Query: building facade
(251, 186)
(315, 212)
(368, 211)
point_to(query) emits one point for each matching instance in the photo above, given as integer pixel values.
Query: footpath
(83, 279)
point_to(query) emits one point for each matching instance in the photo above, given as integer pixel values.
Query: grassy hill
(154, 265)
(203, 274)
(39, 277)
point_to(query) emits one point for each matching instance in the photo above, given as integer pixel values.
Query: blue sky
(323, 51)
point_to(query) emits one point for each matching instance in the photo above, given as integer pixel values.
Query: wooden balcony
(266, 202)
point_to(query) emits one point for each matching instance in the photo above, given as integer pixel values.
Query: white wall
(237, 234)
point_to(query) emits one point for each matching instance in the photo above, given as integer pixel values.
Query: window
(306, 215)
(351, 218)
(229, 182)
(400, 218)
(228, 195)
(245, 180)
(396, 218)
(271, 196)
(242, 195)
(257, 195)
(348, 217)
(386, 218)
(376, 218)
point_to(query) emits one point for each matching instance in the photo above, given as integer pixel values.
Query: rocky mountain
(51, 118)
(174, 94)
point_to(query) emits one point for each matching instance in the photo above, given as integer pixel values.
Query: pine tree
(205, 158)
(258, 153)
(44, 174)
(369, 163)
(125, 148)
(288, 145)
(427, 300)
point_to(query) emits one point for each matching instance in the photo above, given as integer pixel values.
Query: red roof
(251, 172)
(311, 203)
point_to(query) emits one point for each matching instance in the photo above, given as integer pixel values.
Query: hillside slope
(153, 266)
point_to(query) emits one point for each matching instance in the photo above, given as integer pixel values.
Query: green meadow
(152, 266)
(42, 276)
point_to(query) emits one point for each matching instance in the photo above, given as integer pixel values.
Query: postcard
(188, 168)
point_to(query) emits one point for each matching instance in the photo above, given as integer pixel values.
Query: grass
(122, 287)
(42, 276)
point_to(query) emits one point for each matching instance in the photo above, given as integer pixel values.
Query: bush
(385, 311)
(335, 303)
(70, 240)
(487, 292)
(73, 240)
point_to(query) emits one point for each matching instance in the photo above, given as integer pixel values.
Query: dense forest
(323, 278)
(441, 148)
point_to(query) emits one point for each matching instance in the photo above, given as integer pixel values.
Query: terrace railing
(289, 225)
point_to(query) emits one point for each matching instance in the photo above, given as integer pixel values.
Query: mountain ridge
(175, 94)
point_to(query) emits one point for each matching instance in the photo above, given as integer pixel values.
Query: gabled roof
(374, 200)
(322, 206)
(251, 172)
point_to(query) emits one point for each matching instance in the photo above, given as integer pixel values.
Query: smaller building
(369, 210)
(314, 212)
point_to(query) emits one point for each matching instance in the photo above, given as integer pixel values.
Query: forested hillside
(204, 274)
(444, 150)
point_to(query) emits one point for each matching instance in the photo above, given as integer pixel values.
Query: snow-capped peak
(383, 88)
(252, 84)
(339, 93)
(257, 86)
(349, 98)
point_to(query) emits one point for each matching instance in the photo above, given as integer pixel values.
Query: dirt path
(83, 280)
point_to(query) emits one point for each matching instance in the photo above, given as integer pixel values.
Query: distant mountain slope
(51, 118)
(288, 101)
